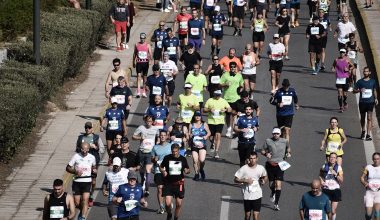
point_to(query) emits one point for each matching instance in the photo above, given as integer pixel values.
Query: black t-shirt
(118, 91)
(190, 59)
(174, 167)
(240, 104)
(312, 30)
(119, 12)
(284, 21)
(128, 160)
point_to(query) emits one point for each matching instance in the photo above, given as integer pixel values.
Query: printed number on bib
(217, 27)
(159, 123)
(315, 214)
(374, 185)
(113, 124)
(156, 90)
(196, 93)
(216, 114)
(120, 99)
(254, 187)
(331, 184)
(142, 54)
(367, 93)
(333, 146)
(341, 81)
(215, 79)
(194, 31)
(175, 167)
(210, 2)
(186, 114)
(172, 50)
(258, 28)
(56, 211)
(130, 204)
(314, 30)
(287, 100)
(351, 54)
(249, 134)
(183, 24)
(178, 140)
(284, 165)
(198, 142)
(147, 145)
(159, 44)
(114, 188)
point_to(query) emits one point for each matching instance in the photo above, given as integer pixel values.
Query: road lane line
(225, 207)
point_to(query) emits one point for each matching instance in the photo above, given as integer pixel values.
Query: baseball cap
(190, 45)
(285, 82)
(113, 100)
(197, 113)
(276, 131)
(124, 140)
(188, 85)
(116, 161)
(217, 8)
(142, 35)
(132, 175)
(276, 36)
(166, 53)
(342, 50)
(217, 92)
(88, 124)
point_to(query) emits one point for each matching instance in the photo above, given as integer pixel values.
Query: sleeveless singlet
(142, 53)
(340, 66)
(258, 26)
(333, 141)
(58, 207)
(198, 133)
(115, 76)
(249, 63)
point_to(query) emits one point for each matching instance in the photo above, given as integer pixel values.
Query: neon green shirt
(198, 83)
(185, 111)
(230, 93)
(216, 117)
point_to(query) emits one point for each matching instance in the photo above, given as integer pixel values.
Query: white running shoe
(229, 132)
(167, 10)
(276, 207)
(272, 198)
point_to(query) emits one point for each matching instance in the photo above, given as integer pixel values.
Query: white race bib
(194, 31)
(216, 114)
(196, 93)
(340, 81)
(147, 145)
(351, 54)
(259, 28)
(175, 167)
(120, 99)
(172, 50)
(156, 90)
(215, 79)
(159, 44)
(331, 184)
(374, 184)
(57, 212)
(314, 30)
(198, 141)
(113, 124)
(210, 2)
(367, 93)
(217, 27)
(183, 24)
(286, 99)
(187, 113)
(315, 214)
(159, 123)
(332, 146)
(142, 55)
(249, 134)
(254, 187)
(178, 140)
(284, 165)
(130, 204)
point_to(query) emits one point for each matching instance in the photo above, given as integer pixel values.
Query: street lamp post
(36, 31)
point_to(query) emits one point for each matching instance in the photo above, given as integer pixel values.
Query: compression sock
(148, 180)
(217, 50)
(277, 198)
(340, 101)
(345, 100)
(212, 48)
(368, 217)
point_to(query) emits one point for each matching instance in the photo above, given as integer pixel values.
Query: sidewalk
(23, 198)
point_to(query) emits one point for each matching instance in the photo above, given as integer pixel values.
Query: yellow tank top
(334, 139)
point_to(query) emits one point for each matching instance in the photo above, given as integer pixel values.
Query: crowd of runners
(167, 138)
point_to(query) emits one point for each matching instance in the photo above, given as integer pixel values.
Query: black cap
(285, 82)
(190, 45)
(315, 17)
(156, 67)
(124, 140)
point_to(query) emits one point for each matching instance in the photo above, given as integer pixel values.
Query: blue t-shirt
(115, 118)
(316, 205)
(170, 45)
(160, 36)
(159, 113)
(196, 1)
(250, 123)
(217, 27)
(161, 151)
(128, 193)
(369, 86)
(156, 84)
(195, 28)
(288, 98)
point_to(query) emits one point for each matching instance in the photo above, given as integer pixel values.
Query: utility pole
(36, 32)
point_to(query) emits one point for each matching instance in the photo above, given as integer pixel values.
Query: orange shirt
(225, 62)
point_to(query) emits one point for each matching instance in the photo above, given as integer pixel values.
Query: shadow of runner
(318, 108)
(292, 183)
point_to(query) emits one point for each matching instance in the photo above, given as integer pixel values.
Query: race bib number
(130, 204)
(159, 123)
(333, 146)
(178, 140)
(249, 134)
(351, 54)
(196, 93)
(175, 167)
(159, 44)
(217, 27)
(262, 1)
(331, 184)
(113, 124)
(314, 30)
(114, 188)
(284, 165)
(374, 185)
(258, 28)
(56, 212)
(283, 2)
(210, 2)
(341, 81)
(367, 93)
(215, 79)
(142, 54)
(198, 142)
(186, 114)
(315, 214)
(194, 31)
(254, 187)
(172, 50)
(286, 100)
(147, 145)
(86, 171)
(216, 114)
(183, 24)
(156, 90)
(120, 99)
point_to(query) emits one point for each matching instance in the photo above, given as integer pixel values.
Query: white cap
(188, 85)
(116, 161)
(276, 131)
(113, 99)
(276, 36)
(217, 8)
(343, 50)
(218, 92)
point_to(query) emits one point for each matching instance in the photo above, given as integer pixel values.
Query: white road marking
(225, 207)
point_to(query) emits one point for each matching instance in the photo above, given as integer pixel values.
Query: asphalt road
(318, 100)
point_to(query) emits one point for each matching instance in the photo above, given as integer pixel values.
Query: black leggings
(312, 9)
(128, 34)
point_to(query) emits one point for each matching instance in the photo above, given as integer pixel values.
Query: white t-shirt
(116, 179)
(343, 30)
(249, 64)
(276, 50)
(84, 164)
(167, 69)
(253, 191)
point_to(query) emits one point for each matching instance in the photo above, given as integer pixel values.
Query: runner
(250, 61)
(282, 22)
(159, 151)
(181, 26)
(199, 132)
(171, 46)
(246, 127)
(199, 83)
(158, 36)
(229, 11)
(123, 95)
(114, 122)
(334, 140)
(132, 15)
(285, 99)
(112, 180)
(237, 11)
(114, 75)
(243, 101)
(169, 69)
(261, 7)
(187, 104)
(325, 21)
(196, 4)
(159, 112)
(315, 204)
(58, 204)
(214, 72)
(342, 66)
(179, 134)
(342, 31)
(129, 159)
(119, 15)
(295, 6)
(197, 32)
(146, 134)
(353, 48)
(173, 168)
(276, 52)
(252, 176)
(276, 149)
(216, 30)
(142, 55)
(208, 11)
(315, 33)
(129, 197)
(83, 166)
(217, 107)
(156, 84)
(232, 83)
(370, 180)
(116, 148)
(226, 60)
(189, 59)
(368, 99)
(331, 176)
(312, 8)
(259, 27)
(324, 5)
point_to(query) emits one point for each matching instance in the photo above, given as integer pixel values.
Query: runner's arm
(46, 212)
(207, 130)
(71, 204)
(363, 178)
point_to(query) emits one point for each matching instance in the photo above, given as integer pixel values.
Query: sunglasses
(87, 127)
(116, 65)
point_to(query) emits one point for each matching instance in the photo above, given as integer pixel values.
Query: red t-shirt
(183, 23)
